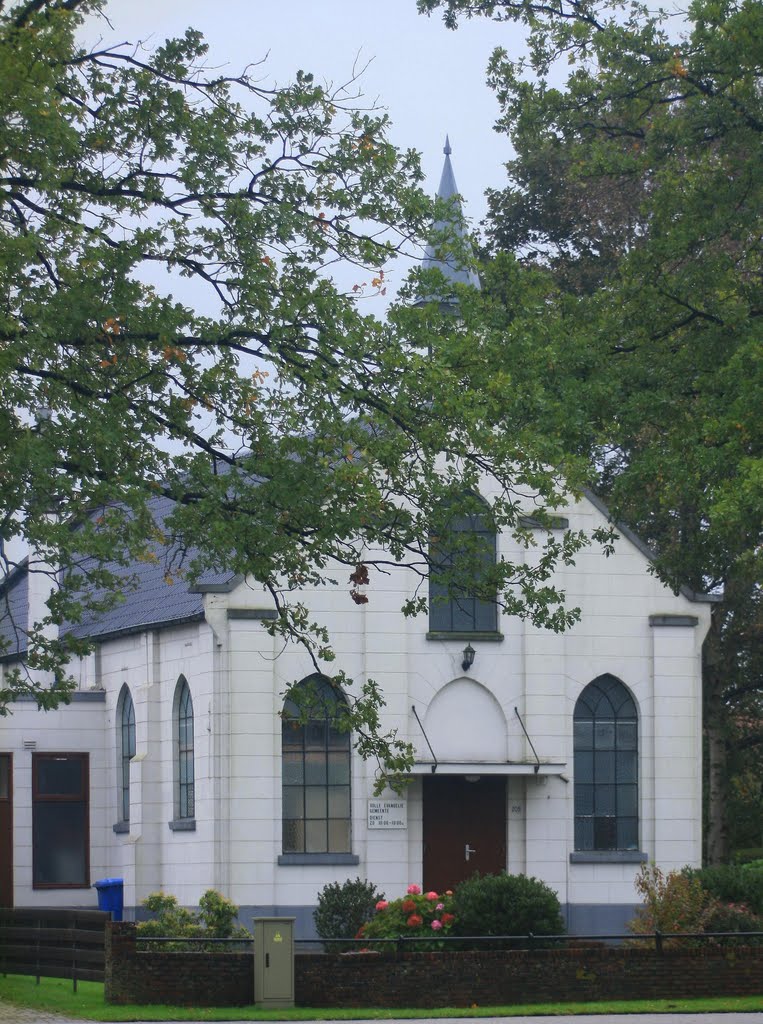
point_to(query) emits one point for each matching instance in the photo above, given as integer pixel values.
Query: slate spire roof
(433, 256)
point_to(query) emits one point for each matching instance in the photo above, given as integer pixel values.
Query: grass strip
(55, 995)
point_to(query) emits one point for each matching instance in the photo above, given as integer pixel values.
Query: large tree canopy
(638, 183)
(171, 325)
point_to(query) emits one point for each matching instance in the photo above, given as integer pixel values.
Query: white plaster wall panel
(75, 728)
(516, 826)
(548, 829)
(466, 723)
(253, 778)
(252, 879)
(585, 647)
(670, 854)
(603, 883)
(679, 828)
(676, 753)
(22, 814)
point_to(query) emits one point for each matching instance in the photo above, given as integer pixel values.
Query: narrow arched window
(126, 750)
(184, 771)
(461, 552)
(315, 771)
(606, 767)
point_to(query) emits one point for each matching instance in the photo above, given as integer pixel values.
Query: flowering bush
(735, 917)
(411, 916)
(695, 900)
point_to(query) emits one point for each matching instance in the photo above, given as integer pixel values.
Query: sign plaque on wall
(387, 814)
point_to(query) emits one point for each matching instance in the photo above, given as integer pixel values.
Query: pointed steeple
(449, 267)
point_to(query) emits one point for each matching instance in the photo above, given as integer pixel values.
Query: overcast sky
(431, 80)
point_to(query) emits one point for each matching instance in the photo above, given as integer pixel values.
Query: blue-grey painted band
(182, 825)
(673, 620)
(76, 697)
(252, 613)
(318, 858)
(608, 857)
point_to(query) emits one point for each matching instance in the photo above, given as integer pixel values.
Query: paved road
(15, 1015)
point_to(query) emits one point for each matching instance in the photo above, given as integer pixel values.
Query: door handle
(267, 959)
(468, 850)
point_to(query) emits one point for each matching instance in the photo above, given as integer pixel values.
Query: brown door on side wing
(464, 828)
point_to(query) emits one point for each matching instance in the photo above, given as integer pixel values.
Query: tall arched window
(126, 750)
(467, 541)
(316, 772)
(184, 772)
(606, 767)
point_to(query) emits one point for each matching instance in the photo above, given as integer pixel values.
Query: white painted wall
(238, 674)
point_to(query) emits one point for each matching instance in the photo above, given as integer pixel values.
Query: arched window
(184, 773)
(467, 541)
(606, 767)
(316, 772)
(126, 750)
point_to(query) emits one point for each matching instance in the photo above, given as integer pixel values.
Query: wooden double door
(464, 828)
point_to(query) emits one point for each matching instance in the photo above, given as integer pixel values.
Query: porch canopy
(488, 768)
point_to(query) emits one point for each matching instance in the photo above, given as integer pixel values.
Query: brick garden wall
(433, 979)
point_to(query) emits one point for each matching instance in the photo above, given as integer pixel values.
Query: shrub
(415, 915)
(673, 902)
(733, 883)
(218, 916)
(169, 921)
(735, 917)
(342, 909)
(216, 919)
(506, 905)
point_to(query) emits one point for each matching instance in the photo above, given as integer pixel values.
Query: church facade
(571, 757)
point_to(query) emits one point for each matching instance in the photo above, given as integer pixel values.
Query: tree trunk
(715, 729)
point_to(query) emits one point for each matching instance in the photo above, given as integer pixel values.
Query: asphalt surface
(10, 1014)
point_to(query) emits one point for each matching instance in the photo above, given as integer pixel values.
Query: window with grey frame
(316, 770)
(185, 779)
(606, 767)
(467, 541)
(126, 745)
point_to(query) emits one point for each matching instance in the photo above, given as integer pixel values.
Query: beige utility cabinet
(273, 961)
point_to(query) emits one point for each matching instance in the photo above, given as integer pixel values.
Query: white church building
(572, 757)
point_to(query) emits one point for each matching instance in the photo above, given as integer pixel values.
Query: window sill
(61, 885)
(121, 828)
(491, 636)
(182, 825)
(608, 857)
(318, 858)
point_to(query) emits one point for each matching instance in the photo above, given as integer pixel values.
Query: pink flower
(408, 906)
(448, 892)
(436, 925)
(432, 896)
(382, 905)
(440, 906)
(414, 921)
(413, 890)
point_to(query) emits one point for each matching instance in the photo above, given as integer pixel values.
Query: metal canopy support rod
(434, 756)
(536, 767)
